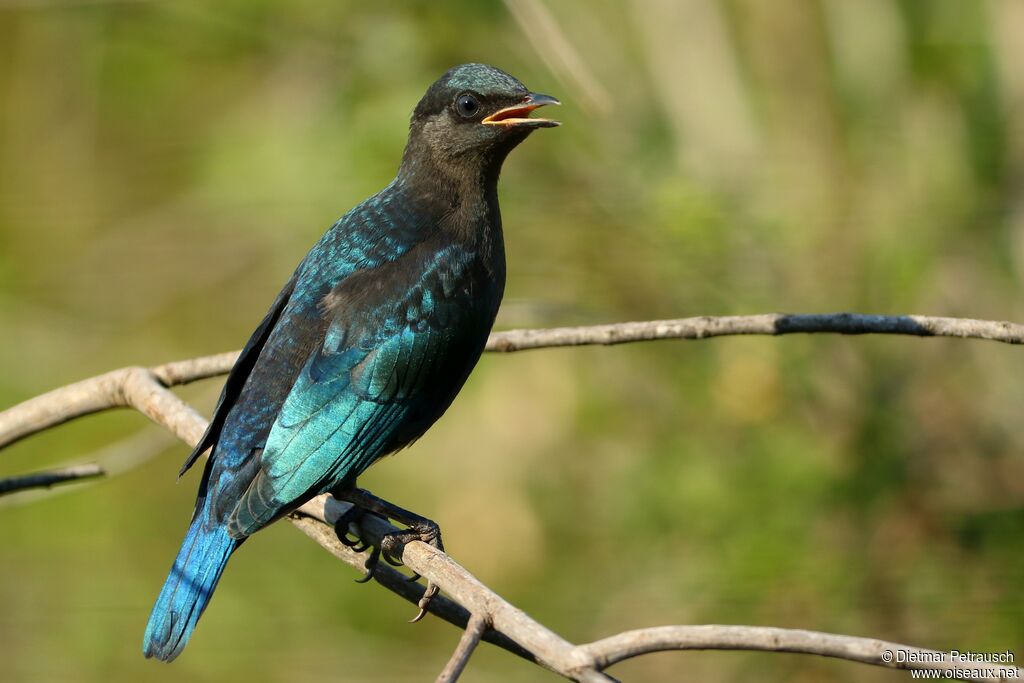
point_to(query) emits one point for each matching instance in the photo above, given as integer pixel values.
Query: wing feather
(386, 368)
(240, 372)
(332, 429)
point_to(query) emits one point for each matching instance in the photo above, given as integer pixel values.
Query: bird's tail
(188, 588)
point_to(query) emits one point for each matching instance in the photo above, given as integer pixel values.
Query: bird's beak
(517, 116)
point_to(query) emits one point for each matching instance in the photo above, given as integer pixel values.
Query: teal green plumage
(367, 344)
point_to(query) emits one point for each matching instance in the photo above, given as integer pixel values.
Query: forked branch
(473, 605)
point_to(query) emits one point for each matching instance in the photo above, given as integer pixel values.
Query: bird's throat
(461, 193)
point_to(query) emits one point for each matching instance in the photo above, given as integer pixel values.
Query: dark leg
(355, 515)
(420, 529)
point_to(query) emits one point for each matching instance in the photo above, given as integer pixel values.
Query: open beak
(518, 115)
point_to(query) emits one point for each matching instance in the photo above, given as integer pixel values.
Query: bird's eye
(467, 105)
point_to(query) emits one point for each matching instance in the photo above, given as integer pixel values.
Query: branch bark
(143, 389)
(489, 616)
(41, 480)
(773, 324)
(467, 644)
(120, 388)
(619, 647)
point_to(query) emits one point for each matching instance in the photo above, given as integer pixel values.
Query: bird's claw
(393, 544)
(370, 566)
(342, 529)
(342, 526)
(428, 595)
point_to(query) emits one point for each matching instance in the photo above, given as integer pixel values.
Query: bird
(368, 342)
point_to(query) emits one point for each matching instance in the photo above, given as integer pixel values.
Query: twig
(773, 324)
(138, 388)
(460, 658)
(455, 614)
(114, 459)
(546, 647)
(622, 646)
(146, 390)
(39, 480)
(586, 662)
(116, 389)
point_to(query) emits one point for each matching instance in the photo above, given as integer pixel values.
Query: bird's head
(473, 114)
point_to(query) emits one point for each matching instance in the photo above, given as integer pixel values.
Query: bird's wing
(240, 372)
(359, 396)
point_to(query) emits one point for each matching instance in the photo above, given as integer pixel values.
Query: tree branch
(774, 324)
(39, 480)
(460, 658)
(146, 390)
(545, 647)
(310, 522)
(586, 662)
(629, 644)
(114, 389)
(140, 388)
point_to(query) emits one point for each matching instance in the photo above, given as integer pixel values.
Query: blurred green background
(164, 164)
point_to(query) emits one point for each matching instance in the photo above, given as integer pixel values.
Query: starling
(366, 345)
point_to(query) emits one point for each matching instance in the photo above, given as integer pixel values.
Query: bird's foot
(343, 528)
(392, 545)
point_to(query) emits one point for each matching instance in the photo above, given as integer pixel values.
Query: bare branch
(133, 387)
(768, 639)
(389, 578)
(114, 459)
(187, 371)
(111, 389)
(39, 480)
(773, 324)
(460, 658)
(548, 648)
(146, 390)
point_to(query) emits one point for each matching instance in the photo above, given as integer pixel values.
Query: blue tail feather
(189, 587)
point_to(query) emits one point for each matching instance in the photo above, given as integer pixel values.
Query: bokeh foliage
(164, 164)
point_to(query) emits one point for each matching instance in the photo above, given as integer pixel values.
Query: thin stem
(467, 644)
(39, 480)
(629, 644)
